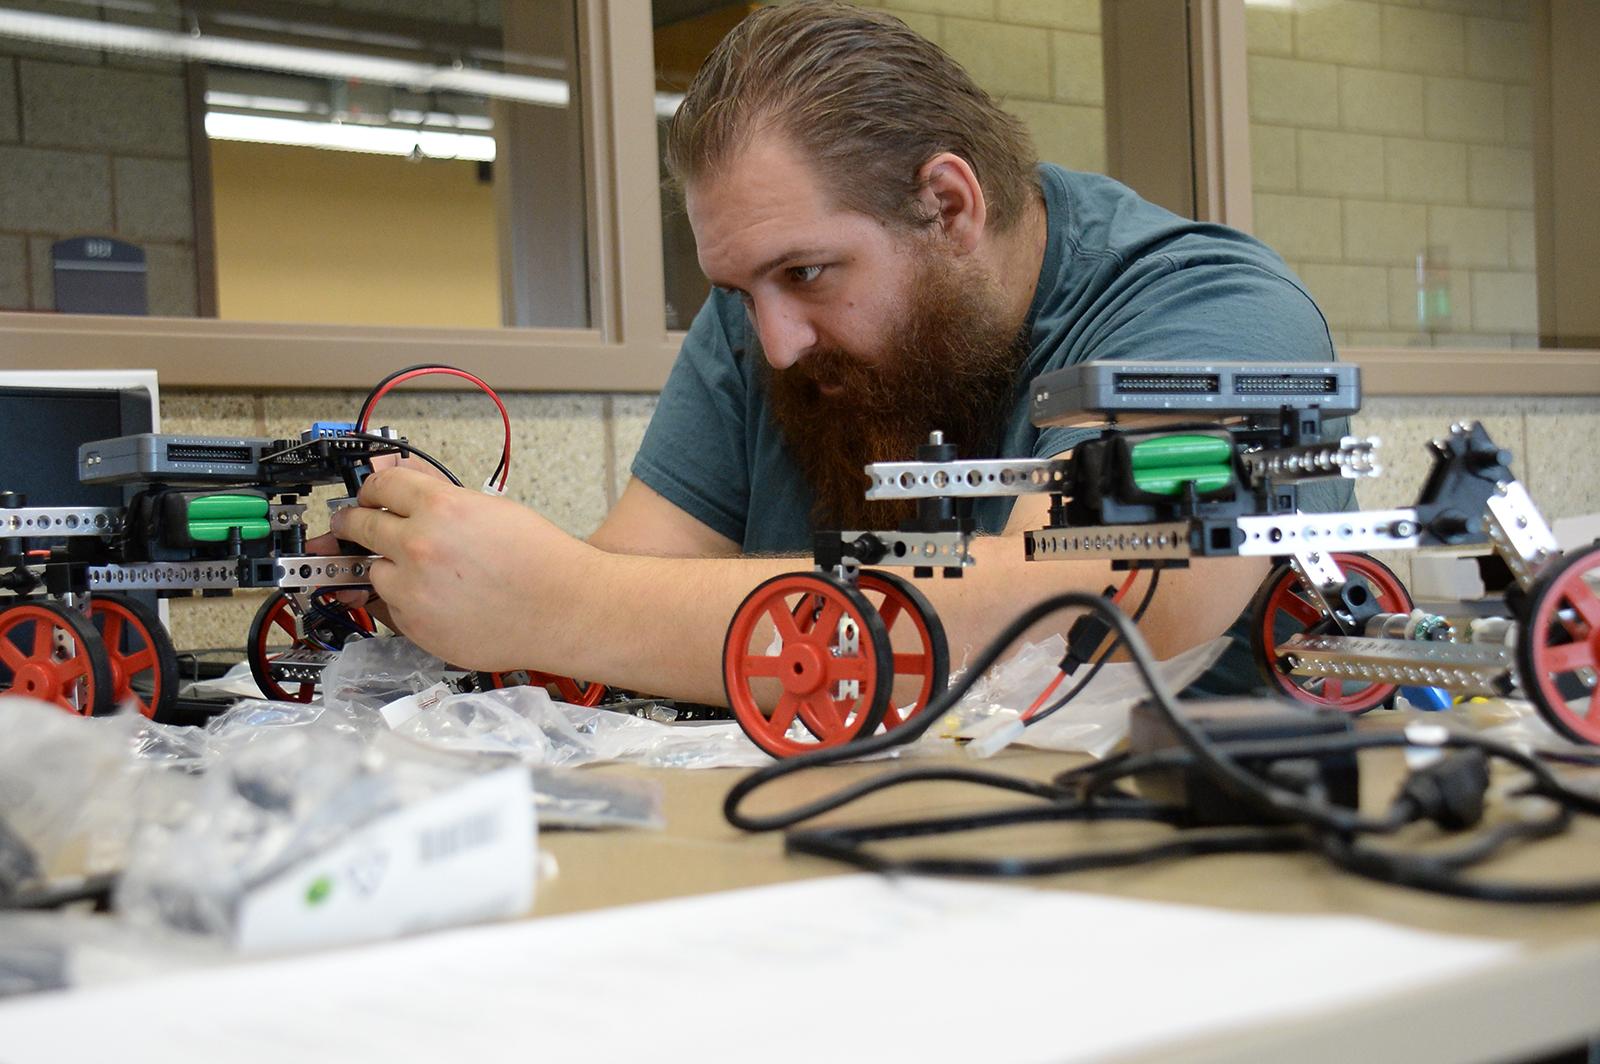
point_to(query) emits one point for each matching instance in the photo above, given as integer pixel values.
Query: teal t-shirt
(1121, 279)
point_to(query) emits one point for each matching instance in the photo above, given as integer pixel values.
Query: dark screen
(40, 431)
(43, 428)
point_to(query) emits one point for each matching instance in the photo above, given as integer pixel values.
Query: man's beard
(950, 364)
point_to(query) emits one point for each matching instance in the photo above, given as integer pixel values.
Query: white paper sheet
(852, 967)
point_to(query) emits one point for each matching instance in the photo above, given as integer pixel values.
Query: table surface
(1548, 999)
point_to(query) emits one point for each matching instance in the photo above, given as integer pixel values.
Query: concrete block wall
(93, 144)
(1040, 58)
(1382, 130)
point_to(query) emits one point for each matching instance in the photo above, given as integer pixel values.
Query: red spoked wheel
(1283, 608)
(1558, 653)
(830, 665)
(144, 665)
(284, 630)
(54, 654)
(563, 687)
(922, 657)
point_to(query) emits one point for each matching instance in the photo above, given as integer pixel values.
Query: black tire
(155, 635)
(939, 645)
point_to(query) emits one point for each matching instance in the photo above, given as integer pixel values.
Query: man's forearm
(658, 624)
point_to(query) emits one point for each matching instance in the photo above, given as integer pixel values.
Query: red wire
(1046, 693)
(1116, 600)
(505, 418)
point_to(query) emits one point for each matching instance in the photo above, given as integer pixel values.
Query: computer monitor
(46, 414)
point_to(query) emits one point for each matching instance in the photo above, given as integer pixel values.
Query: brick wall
(1381, 131)
(1040, 58)
(93, 144)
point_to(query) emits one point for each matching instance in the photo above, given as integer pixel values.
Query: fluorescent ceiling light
(245, 102)
(1282, 4)
(349, 136)
(168, 44)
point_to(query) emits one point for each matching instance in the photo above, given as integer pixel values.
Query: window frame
(627, 348)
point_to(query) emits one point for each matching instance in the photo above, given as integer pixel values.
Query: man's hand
(480, 581)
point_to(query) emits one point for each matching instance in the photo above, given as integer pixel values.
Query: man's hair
(862, 97)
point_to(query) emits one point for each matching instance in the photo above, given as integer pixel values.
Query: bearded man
(888, 259)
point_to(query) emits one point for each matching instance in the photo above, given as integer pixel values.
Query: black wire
(1105, 655)
(843, 844)
(275, 455)
(1438, 872)
(407, 449)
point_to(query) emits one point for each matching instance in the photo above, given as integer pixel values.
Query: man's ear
(952, 197)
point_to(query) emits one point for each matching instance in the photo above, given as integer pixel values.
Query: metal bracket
(1476, 668)
(986, 478)
(848, 645)
(906, 549)
(300, 665)
(1519, 533)
(317, 570)
(1319, 574)
(164, 576)
(1357, 530)
(1117, 542)
(60, 521)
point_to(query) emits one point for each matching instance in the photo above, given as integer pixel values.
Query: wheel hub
(37, 680)
(803, 669)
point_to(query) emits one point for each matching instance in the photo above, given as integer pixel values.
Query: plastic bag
(1094, 722)
(274, 806)
(72, 787)
(525, 722)
(369, 673)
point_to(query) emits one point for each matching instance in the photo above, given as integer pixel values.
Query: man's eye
(805, 274)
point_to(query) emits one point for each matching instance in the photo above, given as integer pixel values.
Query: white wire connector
(994, 735)
(489, 488)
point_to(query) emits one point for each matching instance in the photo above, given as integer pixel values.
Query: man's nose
(786, 334)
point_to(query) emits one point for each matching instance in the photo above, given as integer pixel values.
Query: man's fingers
(327, 543)
(375, 530)
(383, 573)
(398, 489)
